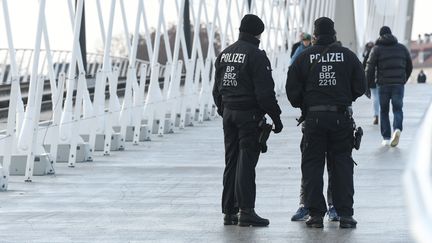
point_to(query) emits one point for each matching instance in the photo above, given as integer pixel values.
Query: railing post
(126, 117)
(138, 104)
(82, 36)
(67, 117)
(187, 28)
(15, 104)
(108, 74)
(28, 135)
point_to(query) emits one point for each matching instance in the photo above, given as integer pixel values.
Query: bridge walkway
(168, 190)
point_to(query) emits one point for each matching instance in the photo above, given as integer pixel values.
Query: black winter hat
(324, 26)
(251, 24)
(385, 30)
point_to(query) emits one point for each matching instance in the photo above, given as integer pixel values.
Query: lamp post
(82, 37)
(187, 29)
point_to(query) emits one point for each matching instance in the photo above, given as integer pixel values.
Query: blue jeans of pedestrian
(393, 93)
(375, 100)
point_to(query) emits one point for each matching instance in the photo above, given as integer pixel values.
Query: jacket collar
(325, 40)
(386, 40)
(249, 38)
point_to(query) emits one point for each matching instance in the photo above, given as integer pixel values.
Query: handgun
(265, 134)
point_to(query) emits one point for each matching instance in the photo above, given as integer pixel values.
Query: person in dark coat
(421, 77)
(323, 82)
(243, 93)
(305, 43)
(389, 66)
(372, 88)
(296, 45)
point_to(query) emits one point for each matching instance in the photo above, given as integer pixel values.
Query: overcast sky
(422, 18)
(23, 14)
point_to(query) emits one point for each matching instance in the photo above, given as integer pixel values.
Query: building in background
(421, 53)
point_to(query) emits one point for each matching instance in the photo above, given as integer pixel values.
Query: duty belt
(331, 108)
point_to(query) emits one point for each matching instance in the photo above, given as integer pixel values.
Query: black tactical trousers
(331, 133)
(329, 183)
(241, 135)
(329, 175)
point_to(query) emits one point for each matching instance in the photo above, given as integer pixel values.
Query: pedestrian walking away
(243, 93)
(389, 66)
(323, 82)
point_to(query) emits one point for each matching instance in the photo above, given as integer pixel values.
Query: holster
(264, 134)
(358, 134)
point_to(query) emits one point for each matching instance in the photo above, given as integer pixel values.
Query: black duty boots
(248, 217)
(315, 222)
(230, 219)
(347, 222)
(344, 222)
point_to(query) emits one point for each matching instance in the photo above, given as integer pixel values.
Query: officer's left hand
(277, 125)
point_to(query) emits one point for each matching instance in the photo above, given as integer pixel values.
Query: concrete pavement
(168, 190)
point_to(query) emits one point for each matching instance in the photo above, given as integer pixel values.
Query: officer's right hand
(220, 111)
(277, 125)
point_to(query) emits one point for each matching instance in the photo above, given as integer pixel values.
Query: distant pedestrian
(305, 43)
(373, 87)
(296, 45)
(421, 78)
(389, 66)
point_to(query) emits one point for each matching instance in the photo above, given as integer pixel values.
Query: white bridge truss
(183, 98)
(179, 91)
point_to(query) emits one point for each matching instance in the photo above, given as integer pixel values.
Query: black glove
(277, 125)
(219, 110)
(368, 93)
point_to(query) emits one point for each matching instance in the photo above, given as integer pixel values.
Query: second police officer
(243, 93)
(323, 82)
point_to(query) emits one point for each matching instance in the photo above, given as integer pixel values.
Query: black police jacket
(389, 62)
(243, 79)
(335, 77)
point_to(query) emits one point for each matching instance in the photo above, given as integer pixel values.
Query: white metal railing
(171, 105)
(418, 182)
(61, 59)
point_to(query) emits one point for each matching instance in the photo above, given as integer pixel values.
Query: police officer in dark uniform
(323, 81)
(243, 93)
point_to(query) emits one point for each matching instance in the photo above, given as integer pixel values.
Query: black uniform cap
(251, 24)
(385, 30)
(324, 26)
